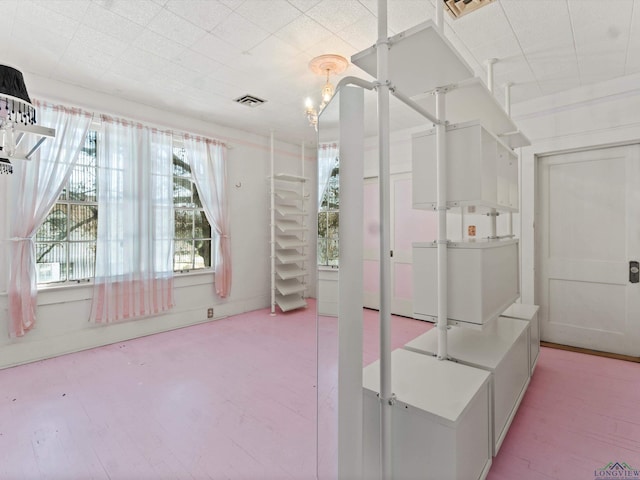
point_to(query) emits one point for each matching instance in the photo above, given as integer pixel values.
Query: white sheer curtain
(39, 183)
(327, 153)
(134, 253)
(208, 166)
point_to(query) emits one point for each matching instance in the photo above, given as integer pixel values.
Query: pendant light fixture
(17, 119)
(325, 65)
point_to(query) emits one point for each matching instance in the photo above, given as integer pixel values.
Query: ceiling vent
(458, 8)
(249, 100)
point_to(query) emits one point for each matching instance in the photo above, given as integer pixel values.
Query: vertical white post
(440, 16)
(350, 315)
(273, 229)
(302, 207)
(385, 244)
(493, 214)
(507, 107)
(441, 187)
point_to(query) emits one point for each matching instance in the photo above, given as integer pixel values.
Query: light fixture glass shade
(327, 92)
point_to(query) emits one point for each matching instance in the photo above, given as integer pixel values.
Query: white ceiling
(196, 56)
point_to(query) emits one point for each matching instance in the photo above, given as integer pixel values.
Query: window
(328, 220)
(192, 242)
(66, 241)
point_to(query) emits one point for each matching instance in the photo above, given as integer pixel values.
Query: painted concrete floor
(236, 399)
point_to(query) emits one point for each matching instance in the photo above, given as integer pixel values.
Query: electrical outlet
(209, 312)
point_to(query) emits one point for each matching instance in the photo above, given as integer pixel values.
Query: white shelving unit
(503, 350)
(406, 396)
(289, 238)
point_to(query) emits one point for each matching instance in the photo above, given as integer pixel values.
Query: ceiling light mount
(325, 65)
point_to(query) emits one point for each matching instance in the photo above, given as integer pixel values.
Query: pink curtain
(39, 183)
(134, 250)
(208, 166)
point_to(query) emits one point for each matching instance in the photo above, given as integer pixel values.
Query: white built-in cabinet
(290, 235)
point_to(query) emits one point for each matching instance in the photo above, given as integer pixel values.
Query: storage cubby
(481, 170)
(482, 280)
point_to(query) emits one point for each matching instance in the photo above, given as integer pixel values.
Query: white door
(407, 226)
(588, 233)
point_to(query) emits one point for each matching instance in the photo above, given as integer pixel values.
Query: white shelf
(290, 241)
(289, 226)
(485, 348)
(286, 177)
(420, 59)
(290, 302)
(290, 270)
(290, 256)
(472, 101)
(289, 287)
(289, 210)
(515, 139)
(288, 195)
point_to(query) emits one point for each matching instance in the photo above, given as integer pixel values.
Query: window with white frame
(192, 242)
(328, 220)
(66, 241)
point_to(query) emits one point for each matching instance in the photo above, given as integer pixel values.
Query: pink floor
(236, 398)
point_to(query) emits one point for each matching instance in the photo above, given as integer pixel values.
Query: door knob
(634, 272)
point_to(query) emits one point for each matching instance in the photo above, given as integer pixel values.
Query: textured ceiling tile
(138, 11)
(538, 27)
(332, 45)
(75, 9)
(34, 16)
(215, 48)
(197, 62)
(303, 32)
(130, 70)
(602, 66)
(143, 58)
(600, 27)
(239, 31)
(404, 14)
(176, 28)
(484, 26)
(90, 38)
(107, 22)
(232, 4)
(502, 49)
(633, 47)
(272, 56)
(271, 15)
(158, 45)
(336, 15)
(206, 14)
(362, 34)
(303, 5)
